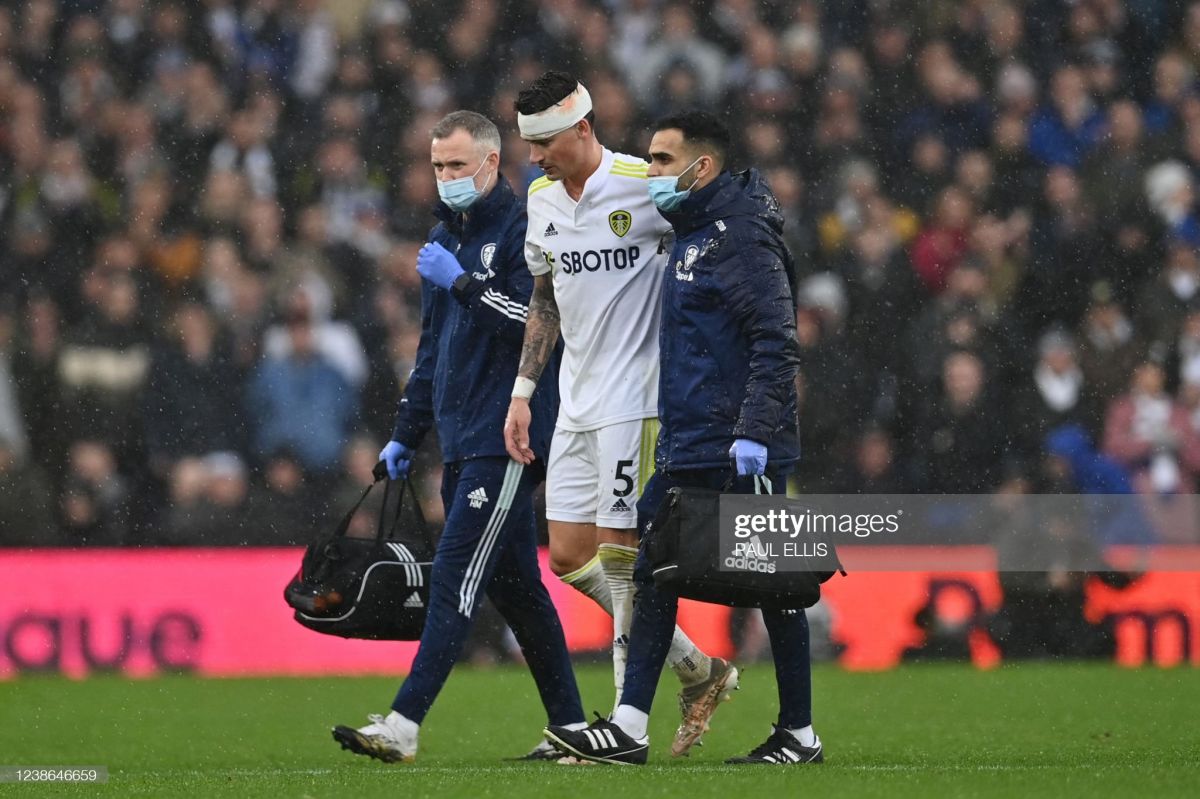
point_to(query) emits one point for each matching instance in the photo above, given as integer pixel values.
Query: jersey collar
(595, 183)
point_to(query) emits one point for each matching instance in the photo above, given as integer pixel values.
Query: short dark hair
(549, 88)
(700, 128)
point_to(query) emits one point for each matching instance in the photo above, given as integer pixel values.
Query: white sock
(690, 665)
(805, 736)
(576, 726)
(402, 723)
(685, 658)
(589, 580)
(617, 561)
(631, 720)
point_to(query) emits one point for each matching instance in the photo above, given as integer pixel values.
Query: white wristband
(523, 388)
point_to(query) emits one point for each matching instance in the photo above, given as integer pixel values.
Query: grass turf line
(931, 730)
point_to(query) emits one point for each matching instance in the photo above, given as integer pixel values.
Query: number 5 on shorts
(626, 479)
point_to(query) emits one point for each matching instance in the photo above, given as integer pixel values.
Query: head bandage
(564, 114)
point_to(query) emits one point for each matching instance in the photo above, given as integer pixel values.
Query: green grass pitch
(920, 731)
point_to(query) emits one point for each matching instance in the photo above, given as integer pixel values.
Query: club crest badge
(620, 222)
(683, 269)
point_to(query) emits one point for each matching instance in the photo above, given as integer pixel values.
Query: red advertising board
(220, 612)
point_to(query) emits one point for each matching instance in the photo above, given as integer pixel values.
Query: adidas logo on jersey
(619, 507)
(414, 601)
(550, 231)
(752, 556)
(478, 497)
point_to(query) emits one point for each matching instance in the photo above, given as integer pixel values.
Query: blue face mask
(460, 194)
(664, 191)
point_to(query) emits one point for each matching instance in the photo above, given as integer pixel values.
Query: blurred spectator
(208, 502)
(1018, 175)
(840, 134)
(1113, 171)
(1110, 347)
(261, 228)
(35, 372)
(882, 293)
(300, 400)
(678, 46)
(188, 408)
(1174, 79)
(1065, 253)
(280, 508)
(1072, 465)
(859, 205)
(973, 174)
(796, 205)
(955, 320)
(1150, 433)
(965, 443)
(939, 248)
(833, 388)
(951, 107)
(244, 150)
(890, 55)
(1184, 364)
(25, 514)
(94, 503)
(874, 470)
(316, 50)
(1168, 297)
(103, 366)
(12, 420)
(1171, 193)
(1064, 132)
(71, 203)
(999, 248)
(1016, 91)
(1054, 395)
(167, 241)
(346, 188)
(336, 342)
(359, 459)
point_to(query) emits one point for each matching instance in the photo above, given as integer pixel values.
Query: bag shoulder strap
(379, 473)
(409, 489)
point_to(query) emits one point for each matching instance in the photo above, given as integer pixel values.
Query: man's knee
(572, 545)
(566, 562)
(626, 537)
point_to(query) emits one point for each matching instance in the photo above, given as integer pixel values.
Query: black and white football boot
(781, 749)
(600, 742)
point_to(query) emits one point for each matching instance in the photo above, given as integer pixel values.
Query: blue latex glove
(749, 457)
(438, 265)
(398, 458)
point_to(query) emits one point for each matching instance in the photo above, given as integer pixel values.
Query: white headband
(564, 114)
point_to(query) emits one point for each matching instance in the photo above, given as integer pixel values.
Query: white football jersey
(607, 254)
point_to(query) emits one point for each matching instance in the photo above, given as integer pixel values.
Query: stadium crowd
(210, 214)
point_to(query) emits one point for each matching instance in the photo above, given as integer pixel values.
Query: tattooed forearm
(541, 331)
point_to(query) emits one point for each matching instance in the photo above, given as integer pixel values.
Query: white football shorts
(596, 477)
